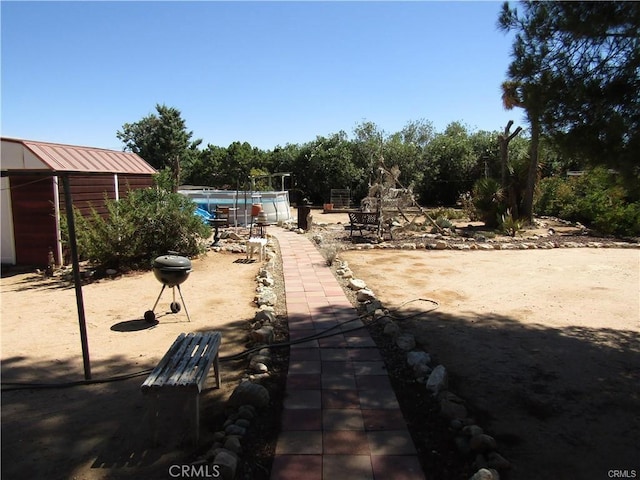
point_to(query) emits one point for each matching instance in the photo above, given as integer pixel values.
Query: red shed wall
(88, 191)
(133, 182)
(34, 223)
(34, 219)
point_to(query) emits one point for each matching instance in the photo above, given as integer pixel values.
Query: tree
(504, 139)
(575, 71)
(324, 164)
(162, 140)
(450, 162)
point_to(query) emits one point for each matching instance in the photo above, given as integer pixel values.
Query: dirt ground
(543, 344)
(101, 431)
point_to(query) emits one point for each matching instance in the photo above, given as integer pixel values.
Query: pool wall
(274, 203)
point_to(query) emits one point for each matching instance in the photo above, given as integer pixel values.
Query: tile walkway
(341, 418)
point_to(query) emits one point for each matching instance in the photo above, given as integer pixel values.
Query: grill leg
(184, 304)
(158, 299)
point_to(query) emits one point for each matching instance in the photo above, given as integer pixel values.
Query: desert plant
(330, 252)
(597, 198)
(144, 224)
(489, 200)
(444, 222)
(509, 225)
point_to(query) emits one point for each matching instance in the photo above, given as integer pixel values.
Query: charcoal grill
(171, 270)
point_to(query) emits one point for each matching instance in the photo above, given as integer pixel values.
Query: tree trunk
(532, 175)
(508, 186)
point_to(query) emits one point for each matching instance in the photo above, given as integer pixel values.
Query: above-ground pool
(274, 204)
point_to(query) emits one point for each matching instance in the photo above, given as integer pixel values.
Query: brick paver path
(341, 418)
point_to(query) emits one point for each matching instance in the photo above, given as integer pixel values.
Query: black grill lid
(172, 262)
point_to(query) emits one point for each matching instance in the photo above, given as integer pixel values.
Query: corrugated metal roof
(72, 158)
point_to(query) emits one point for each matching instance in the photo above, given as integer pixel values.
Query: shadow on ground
(101, 430)
(562, 402)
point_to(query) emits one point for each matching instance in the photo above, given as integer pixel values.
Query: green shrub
(448, 213)
(509, 225)
(144, 224)
(596, 199)
(488, 200)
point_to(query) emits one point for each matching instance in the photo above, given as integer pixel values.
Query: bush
(488, 200)
(144, 224)
(596, 198)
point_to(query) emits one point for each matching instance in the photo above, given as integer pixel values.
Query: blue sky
(269, 73)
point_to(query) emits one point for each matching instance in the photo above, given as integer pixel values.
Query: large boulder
(248, 393)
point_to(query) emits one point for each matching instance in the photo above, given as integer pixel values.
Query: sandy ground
(100, 431)
(544, 345)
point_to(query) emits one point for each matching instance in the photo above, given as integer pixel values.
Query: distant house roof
(72, 158)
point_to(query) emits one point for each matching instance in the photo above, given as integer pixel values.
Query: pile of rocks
(249, 397)
(243, 407)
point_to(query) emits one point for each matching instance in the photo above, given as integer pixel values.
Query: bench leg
(196, 415)
(216, 370)
(153, 413)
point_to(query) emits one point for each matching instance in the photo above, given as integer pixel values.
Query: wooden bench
(363, 220)
(183, 370)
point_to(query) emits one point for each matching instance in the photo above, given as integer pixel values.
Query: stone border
(249, 397)
(470, 437)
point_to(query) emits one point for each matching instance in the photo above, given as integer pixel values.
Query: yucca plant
(509, 225)
(488, 200)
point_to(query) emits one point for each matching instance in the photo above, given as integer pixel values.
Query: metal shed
(32, 197)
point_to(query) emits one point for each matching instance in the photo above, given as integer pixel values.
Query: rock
(482, 443)
(243, 422)
(247, 412)
(265, 316)
(263, 335)
(248, 393)
(384, 320)
(365, 295)
(111, 272)
(451, 409)
(227, 464)
(497, 461)
(259, 368)
(232, 443)
(440, 245)
(418, 358)
(267, 281)
(266, 296)
(259, 359)
(438, 380)
(391, 329)
(234, 429)
(485, 474)
(406, 341)
(357, 284)
(422, 370)
(472, 430)
(408, 246)
(347, 273)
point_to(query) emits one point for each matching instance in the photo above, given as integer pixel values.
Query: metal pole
(76, 276)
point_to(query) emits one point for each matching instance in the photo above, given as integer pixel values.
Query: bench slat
(165, 362)
(186, 363)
